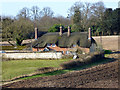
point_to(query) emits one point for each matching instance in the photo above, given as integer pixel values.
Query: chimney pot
(89, 34)
(68, 31)
(60, 33)
(36, 33)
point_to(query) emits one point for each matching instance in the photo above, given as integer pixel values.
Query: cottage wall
(56, 48)
(63, 50)
(35, 49)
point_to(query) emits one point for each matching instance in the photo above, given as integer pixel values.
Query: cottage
(65, 42)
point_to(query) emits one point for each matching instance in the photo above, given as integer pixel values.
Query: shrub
(107, 51)
(79, 51)
(55, 28)
(93, 57)
(45, 69)
(87, 59)
(67, 57)
(69, 64)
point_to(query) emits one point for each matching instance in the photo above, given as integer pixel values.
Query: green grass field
(13, 68)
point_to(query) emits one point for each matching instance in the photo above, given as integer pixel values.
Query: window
(53, 45)
(74, 45)
(46, 49)
(48, 45)
(67, 52)
(39, 50)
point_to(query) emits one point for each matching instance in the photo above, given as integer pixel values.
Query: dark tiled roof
(77, 38)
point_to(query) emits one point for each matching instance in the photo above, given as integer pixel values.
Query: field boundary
(32, 74)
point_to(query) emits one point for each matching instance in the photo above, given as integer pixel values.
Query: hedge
(90, 58)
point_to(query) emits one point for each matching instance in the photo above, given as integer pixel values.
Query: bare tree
(24, 13)
(76, 6)
(35, 13)
(46, 11)
(88, 11)
(84, 9)
(62, 20)
(45, 23)
(98, 9)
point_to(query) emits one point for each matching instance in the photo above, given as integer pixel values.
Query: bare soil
(101, 76)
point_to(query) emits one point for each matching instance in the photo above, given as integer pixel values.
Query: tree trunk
(10, 43)
(18, 42)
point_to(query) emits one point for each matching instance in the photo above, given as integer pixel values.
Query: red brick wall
(56, 48)
(59, 49)
(35, 49)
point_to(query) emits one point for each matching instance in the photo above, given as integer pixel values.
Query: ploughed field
(101, 76)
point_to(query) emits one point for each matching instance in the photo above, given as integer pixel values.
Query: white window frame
(48, 45)
(53, 45)
(74, 45)
(46, 49)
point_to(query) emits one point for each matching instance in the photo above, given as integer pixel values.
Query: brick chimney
(89, 34)
(60, 33)
(68, 31)
(36, 33)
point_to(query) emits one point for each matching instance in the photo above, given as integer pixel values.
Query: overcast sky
(59, 7)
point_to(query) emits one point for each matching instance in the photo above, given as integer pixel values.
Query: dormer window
(48, 45)
(53, 45)
(46, 49)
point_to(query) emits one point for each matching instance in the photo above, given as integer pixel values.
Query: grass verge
(14, 68)
(46, 74)
(12, 47)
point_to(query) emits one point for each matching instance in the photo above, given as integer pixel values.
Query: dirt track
(102, 76)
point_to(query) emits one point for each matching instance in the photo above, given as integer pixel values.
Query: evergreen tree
(77, 21)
